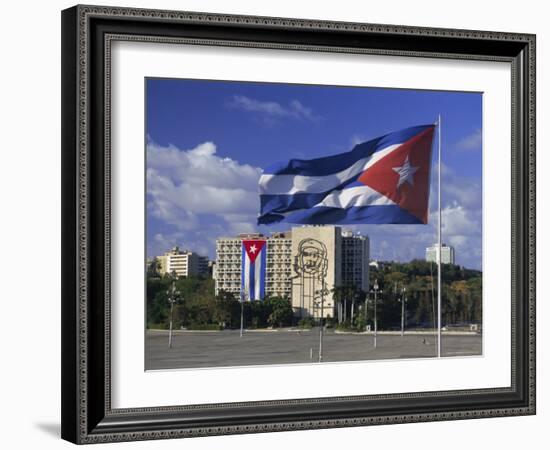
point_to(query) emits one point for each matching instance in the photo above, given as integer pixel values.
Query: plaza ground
(200, 349)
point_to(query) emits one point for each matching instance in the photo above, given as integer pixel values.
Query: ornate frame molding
(84, 421)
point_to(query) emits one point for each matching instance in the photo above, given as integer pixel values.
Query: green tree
(461, 293)
(475, 292)
(157, 302)
(281, 313)
(153, 269)
(227, 310)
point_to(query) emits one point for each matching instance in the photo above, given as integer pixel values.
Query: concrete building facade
(279, 265)
(355, 260)
(227, 270)
(447, 254)
(317, 253)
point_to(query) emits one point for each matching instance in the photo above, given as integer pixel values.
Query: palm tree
(359, 296)
(342, 295)
(338, 296)
(352, 293)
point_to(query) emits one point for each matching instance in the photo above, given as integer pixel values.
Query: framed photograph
(281, 224)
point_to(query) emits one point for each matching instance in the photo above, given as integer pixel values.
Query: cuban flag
(385, 180)
(253, 269)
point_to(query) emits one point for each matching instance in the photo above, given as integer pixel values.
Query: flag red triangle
(404, 174)
(253, 248)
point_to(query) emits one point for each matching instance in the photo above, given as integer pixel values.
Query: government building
(304, 264)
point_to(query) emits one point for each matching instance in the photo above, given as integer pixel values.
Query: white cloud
(166, 241)
(461, 228)
(195, 198)
(298, 110)
(457, 220)
(465, 191)
(242, 227)
(200, 166)
(471, 141)
(161, 242)
(271, 109)
(457, 241)
(199, 193)
(400, 242)
(197, 181)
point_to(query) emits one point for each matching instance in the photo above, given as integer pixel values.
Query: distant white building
(447, 254)
(183, 263)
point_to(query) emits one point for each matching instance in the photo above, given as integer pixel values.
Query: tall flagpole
(439, 239)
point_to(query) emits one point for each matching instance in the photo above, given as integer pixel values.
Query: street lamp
(375, 291)
(172, 298)
(321, 326)
(244, 297)
(366, 309)
(403, 300)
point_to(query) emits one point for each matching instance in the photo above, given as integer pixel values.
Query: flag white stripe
(345, 198)
(295, 184)
(247, 275)
(257, 276)
(355, 196)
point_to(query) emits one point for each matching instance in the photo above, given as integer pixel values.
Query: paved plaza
(196, 349)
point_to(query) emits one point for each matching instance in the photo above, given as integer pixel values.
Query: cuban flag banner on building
(385, 180)
(253, 269)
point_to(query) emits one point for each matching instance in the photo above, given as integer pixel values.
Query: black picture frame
(87, 416)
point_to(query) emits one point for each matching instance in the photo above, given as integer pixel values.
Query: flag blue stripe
(243, 287)
(322, 215)
(262, 272)
(252, 281)
(278, 203)
(336, 163)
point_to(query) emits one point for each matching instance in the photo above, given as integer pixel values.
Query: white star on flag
(253, 249)
(406, 172)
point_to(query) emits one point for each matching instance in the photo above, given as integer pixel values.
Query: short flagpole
(439, 239)
(242, 313)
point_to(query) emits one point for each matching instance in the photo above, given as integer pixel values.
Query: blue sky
(207, 142)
